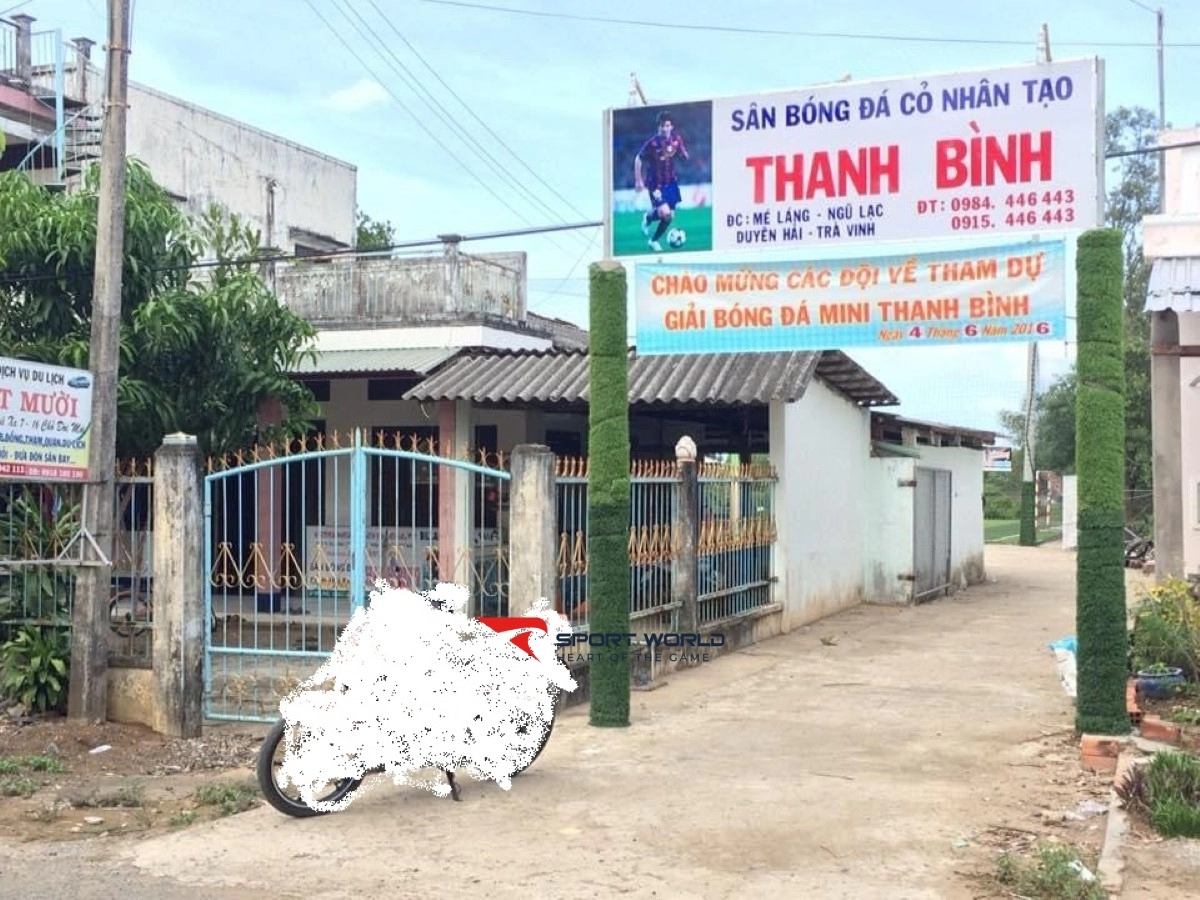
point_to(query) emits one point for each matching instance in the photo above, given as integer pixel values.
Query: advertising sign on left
(45, 421)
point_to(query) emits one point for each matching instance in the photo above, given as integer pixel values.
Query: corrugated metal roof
(528, 377)
(380, 359)
(1174, 285)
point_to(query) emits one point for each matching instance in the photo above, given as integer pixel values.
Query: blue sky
(529, 90)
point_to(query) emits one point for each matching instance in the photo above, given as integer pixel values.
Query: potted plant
(1159, 681)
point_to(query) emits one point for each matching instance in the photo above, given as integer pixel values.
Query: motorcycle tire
(271, 791)
(542, 745)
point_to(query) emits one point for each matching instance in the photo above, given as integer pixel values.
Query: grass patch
(1187, 716)
(1008, 531)
(1056, 873)
(1165, 793)
(183, 818)
(230, 798)
(15, 765)
(17, 786)
(127, 796)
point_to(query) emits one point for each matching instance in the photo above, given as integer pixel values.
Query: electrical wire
(471, 112)
(432, 135)
(15, 278)
(781, 32)
(413, 83)
(11, 278)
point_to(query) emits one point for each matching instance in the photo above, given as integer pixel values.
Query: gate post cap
(179, 439)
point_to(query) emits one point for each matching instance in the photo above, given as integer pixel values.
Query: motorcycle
(415, 684)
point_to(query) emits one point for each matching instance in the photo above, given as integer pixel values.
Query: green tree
(1100, 615)
(374, 234)
(1133, 196)
(201, 346)
(608, 490)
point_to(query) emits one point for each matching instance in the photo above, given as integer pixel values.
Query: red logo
(505, 624)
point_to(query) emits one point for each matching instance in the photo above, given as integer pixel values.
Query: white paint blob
(410, 687)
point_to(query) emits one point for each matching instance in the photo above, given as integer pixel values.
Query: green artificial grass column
(1101, 629)
(608, 492)
(1028, 536)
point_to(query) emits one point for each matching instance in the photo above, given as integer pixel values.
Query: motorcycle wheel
(273, 793)
(544, 742)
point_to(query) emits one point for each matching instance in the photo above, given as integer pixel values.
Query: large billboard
(996, 152)
(45, 421)
(984, 295)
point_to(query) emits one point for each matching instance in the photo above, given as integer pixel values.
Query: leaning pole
(1100, 614)
(608, 490)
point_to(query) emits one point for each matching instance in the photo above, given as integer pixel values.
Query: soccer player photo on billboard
(662, 179)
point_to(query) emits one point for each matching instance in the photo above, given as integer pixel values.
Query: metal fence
(737, 539)
(296, 537)
(734, 553)
(42, 542)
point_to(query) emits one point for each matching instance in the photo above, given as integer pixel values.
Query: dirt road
(887, 764)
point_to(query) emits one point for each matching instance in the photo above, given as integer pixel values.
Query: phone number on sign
(1029, 329)
(1025, 209)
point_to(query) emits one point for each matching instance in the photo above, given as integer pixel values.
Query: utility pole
(1028, 527)
(88, 696)
(1165, 424)
(1162, 115)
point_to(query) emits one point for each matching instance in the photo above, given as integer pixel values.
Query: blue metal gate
(296, 540)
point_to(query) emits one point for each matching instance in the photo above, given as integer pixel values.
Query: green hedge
(608, 496)
(1101, 628)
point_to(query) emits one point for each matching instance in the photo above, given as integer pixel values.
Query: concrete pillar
(448, 551)
(464, 497)
(532, 528)
(24, 46)
(787, 529)
(452, 272)
(1167, 438)
(687, 517)
(268, 490)
(179, 574)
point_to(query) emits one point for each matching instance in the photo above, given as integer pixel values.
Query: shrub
(34, 668)
(1166, 629)
(1166, 792)
(1056, 873)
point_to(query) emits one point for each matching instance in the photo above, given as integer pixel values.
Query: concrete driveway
(793, 769)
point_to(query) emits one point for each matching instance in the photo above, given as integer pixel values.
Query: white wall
(1189, 421)
(888, 530)
(1070, 512)
(206, 157)
(820, 447)
(966, 517)
(427, 337)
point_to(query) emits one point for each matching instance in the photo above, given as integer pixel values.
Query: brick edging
(1151, 727)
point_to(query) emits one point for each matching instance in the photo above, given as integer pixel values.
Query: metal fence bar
(278, 590)
(297, 541)
(737, 536)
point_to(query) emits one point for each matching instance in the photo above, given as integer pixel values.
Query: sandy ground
(893, 763)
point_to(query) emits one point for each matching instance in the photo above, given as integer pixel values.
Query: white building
(51, 95)
(1171, 241)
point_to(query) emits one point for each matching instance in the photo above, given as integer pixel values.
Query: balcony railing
(8, 49)
(402, 290)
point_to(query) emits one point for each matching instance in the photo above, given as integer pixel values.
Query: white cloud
(363, 93)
